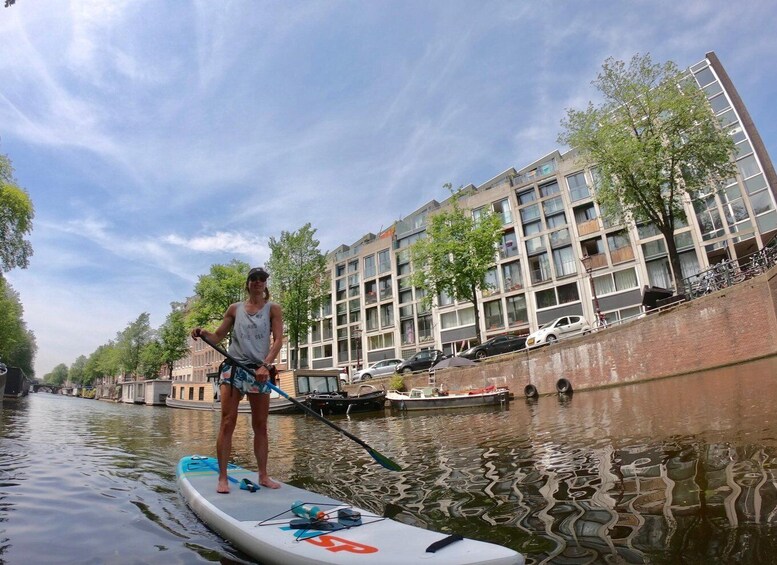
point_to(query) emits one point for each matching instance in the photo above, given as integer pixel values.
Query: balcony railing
(591, 226)
(622, 255)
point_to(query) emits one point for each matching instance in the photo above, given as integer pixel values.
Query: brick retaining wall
(731, 326)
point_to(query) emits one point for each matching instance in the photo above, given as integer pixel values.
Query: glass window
(556, 220)
(532, 228)
(553, 205)
(539, 268)
(719, 103)
(516, 310)
(564, 261)
(444, 299)
(530, 213)
(384, 261)
(526, 196)
(761, 202)
(369, 266)
(425, 328)
(748, 166)
(371, 319)
(626, 279)
(535, 245)
(618, 240)
(545, 298)
(654, 248)
(549, 188)
(755, 184)
(509, 246)
(387, 315)
(704, 76)
(568, 293)
(493, 314)
(578, 188)
(585, 213)
(511, 273)
(502, 209)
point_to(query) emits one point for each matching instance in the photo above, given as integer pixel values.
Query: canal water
(673, 470)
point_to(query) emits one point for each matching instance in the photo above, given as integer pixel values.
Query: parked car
(379, 369)
(495, 346)
(566, 326)
(420, 361)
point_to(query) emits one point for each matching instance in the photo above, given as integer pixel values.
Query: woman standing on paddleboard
(252, 323)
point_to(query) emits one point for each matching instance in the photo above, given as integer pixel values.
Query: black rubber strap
(443, 542)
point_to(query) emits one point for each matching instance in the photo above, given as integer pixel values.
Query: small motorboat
(432, 398)
(367, 398)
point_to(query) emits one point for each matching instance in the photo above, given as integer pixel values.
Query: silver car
(379, 369)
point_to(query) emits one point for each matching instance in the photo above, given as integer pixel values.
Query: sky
(157, 138)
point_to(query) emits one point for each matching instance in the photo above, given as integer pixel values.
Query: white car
(379, 369)
(566, 326)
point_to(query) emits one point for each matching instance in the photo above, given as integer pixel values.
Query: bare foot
(222, 487)
(269, 483)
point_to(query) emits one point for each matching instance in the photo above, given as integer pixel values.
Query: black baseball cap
(258, 273)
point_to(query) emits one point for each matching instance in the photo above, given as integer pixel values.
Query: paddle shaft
(280, 391)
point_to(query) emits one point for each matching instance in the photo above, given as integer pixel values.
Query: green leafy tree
(655, 142)
(214, 292)
(456, 254)
(17, 343)
(57, 376)
(297, 269)
(150, 360)
(130, 342)
(76, 372)
(16, 213)
(173, 337)
(103, 362)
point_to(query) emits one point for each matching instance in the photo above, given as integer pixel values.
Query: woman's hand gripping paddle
(377, 456)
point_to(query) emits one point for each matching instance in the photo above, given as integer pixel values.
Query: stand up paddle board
(293, 525)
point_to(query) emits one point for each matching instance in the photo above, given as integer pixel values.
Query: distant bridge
(51, 389)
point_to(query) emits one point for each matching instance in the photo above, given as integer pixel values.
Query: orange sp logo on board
(335, 544)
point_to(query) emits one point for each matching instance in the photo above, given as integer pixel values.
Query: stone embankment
(731, 326)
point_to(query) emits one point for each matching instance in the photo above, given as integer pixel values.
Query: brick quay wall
(731, 326)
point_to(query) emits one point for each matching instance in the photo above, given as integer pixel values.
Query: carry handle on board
(376, 455)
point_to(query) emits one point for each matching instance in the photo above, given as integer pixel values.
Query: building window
(384, 261)
(380, 341)
(526, 196)
(425, 328)
(564, 261)
(511, 274)
(578, 188)
(539, 268)
(457, 318)
(369, 266)
(517, 313)
(408, 332)
(385, 288)
(502, 209)
(548, 189)
(493, 314)
(387, 315)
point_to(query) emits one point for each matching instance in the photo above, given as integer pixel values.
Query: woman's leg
(230, 398)
(260, 411)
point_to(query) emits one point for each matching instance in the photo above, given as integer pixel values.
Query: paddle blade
(384, 461)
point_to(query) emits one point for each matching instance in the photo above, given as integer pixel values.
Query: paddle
(377, 456)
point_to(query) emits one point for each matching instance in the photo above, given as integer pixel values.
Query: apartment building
(557, 253)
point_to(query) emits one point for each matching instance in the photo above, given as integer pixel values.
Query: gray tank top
(251, 334)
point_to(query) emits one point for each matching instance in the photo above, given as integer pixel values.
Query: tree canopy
(655, 143)
(456, 255)
(131, 341)
(173, 337)
(16, 214)
(214, 292)
(297, 270)
(17, 343)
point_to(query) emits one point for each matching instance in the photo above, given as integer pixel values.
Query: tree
(103, 362)
(16, 213)
(297, 270)
(130, 342)
(214, 292)
(655, 142)
(17, 343)
(57, 376)
(150, 361)
(456, 255)
(76, 373)
(173, 337)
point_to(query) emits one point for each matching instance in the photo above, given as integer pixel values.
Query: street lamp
(356, 334)
(588, 266)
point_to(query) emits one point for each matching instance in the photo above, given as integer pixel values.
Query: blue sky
(157, 138)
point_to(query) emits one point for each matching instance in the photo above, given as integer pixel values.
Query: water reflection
(680, 469)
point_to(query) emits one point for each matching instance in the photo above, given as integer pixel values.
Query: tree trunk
(674, 263)
(477, 314)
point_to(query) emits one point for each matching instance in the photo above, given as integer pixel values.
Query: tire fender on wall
(530, 391)
(563, 386)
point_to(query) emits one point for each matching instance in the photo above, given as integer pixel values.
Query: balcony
(622, 255)
(591, 226)
(597, 261)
